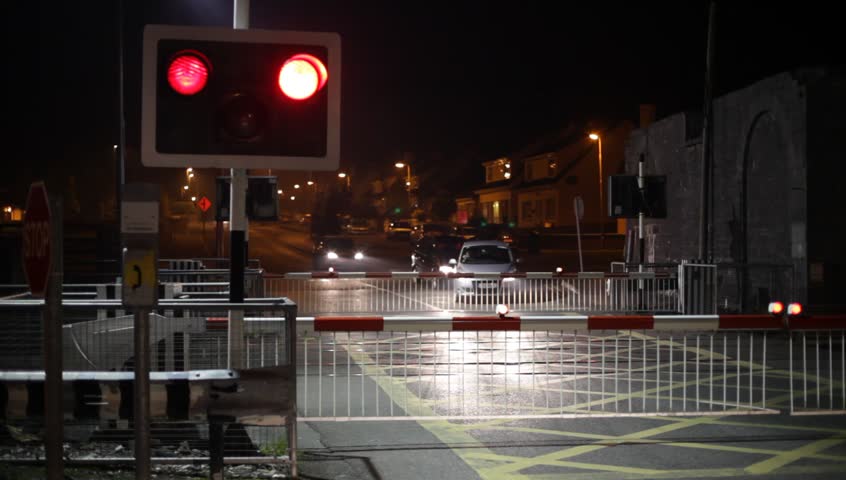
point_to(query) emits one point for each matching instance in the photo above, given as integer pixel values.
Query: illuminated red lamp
(187, 73)
(776, 308)
(794, 309)
(301, 76)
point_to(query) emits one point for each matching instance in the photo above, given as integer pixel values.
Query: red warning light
(776, 308)
(301, 76)
(794, 309)
(187, 73)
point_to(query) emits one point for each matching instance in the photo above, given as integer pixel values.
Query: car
(433, 253)
(338, 253)
(425, 229)
(398, 229)
(503, 233)
(468, 232)
(358, 226)
(484, 256)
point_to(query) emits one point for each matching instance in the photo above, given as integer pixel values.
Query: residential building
(536, 187)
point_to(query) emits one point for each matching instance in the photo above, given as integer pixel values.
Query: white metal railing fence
(401, 292)
(817, 371)
(372, 368)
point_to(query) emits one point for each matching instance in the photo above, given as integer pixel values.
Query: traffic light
(262, 198)
(626, 201)
(226, 98)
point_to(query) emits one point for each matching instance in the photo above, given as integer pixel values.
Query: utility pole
(705, 253)
(641, 186)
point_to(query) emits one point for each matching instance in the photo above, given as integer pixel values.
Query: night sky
(452, 81)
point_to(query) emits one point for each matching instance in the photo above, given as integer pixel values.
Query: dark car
(398, 229)
(468, 232)
(497, 232)
(338, 253)
(429, 229)
(433, 253)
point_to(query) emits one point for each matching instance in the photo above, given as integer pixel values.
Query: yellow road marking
(441, 429)
(736, 423)
(504, 470)
(616, 440)
(561, 463)
(783, 459)
(480, 458)
(693, 473)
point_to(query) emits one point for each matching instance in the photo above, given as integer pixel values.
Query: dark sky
(449, 80)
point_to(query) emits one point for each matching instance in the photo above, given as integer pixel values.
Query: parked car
(502, 233)
(433, 253)
(337, 252)
(484, 256)
(358, 226)
(398, 229)
(424, 229)
(468, 232)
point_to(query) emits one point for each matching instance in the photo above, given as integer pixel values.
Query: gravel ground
(11, 455)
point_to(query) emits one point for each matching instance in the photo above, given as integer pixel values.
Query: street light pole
(598, 139)
(407, 180)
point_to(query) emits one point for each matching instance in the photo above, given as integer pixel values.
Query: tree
(444, 206)
(396, 200)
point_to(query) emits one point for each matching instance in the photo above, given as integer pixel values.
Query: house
(770, 220)
(495, 198)
(536, 186)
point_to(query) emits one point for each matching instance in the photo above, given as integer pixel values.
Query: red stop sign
(36, 239)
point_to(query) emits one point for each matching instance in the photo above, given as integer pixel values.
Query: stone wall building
(776, 226)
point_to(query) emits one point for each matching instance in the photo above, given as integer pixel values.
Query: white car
(480, 257)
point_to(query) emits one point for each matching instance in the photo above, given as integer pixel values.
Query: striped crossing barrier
(351, 323)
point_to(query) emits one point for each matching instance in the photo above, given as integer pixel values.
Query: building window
(496, 216)
(549, 214)
(489, 174)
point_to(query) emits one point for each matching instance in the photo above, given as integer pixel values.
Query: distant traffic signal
(219, 97)
(626, 201)
(262, 198)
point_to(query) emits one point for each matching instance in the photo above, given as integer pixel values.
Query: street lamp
(595, 137)
(407, 167)
(344, 175)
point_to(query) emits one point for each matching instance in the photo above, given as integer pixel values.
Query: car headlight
(359, 255)
(446, 269)
(332, 255)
